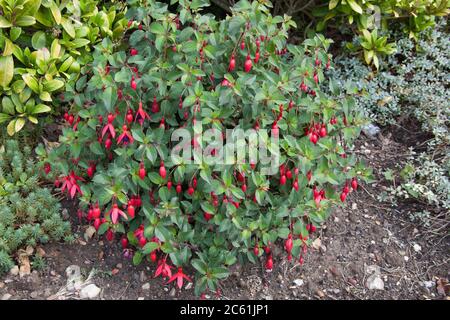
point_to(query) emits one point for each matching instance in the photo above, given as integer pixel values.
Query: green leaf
(4, 117)
(199, 265)
(41, 108)
(96, 148)
(109, 98)
(45, 96)
(20, 122)
(68, 27)
(9, 47)
(15, 33)
(78, 43)
(159, 42)
(38, 40)
(6, 70)
(25, 21)
(10, 129)
(355, 7)
(162, 233)
(137, 258)
(53, 85)
(8, 106)
(55, 12)
(157, 28)
(149, 247)
(220, 273)
(376, 62)
(333, 4)
(31, 82)
(4, 23)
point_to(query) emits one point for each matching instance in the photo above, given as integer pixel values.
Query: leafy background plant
(343, 18)
(29, 213)
(44, 45)
(414, 83)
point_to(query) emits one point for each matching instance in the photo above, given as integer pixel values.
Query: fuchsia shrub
(190, 71)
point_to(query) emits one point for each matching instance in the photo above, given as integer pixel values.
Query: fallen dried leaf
(442, 286)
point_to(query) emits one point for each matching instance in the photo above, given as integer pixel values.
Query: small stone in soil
(317, 243)
(172, 292)
(6, 296)
(298, 282)
(14, 271)
(320, 293)
(146, 286)
(90, 291)
(374, 282)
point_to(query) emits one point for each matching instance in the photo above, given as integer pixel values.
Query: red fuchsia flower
(70, 183)
(226, 83)
(269, 263)
(163, 269)
(110, 235)
(139, 232)
(91, 170)
(126, 137)
(155, 105)
(47, 168)
(354, 184)
(109, 127)
(179, 276)
(289, 244)
(141, 115)
(115, 212)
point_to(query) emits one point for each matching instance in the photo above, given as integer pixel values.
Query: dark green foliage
(29, 214)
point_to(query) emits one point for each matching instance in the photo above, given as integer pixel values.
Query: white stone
(90, 291)
(374, 282)
(317, 243)
(417, 247)
(298, 282)
(6, 296)
(146, 286)
(14, 270)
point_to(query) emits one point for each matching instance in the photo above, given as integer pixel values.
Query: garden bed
(413, 264)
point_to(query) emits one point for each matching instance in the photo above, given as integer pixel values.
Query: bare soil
(413, 260)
